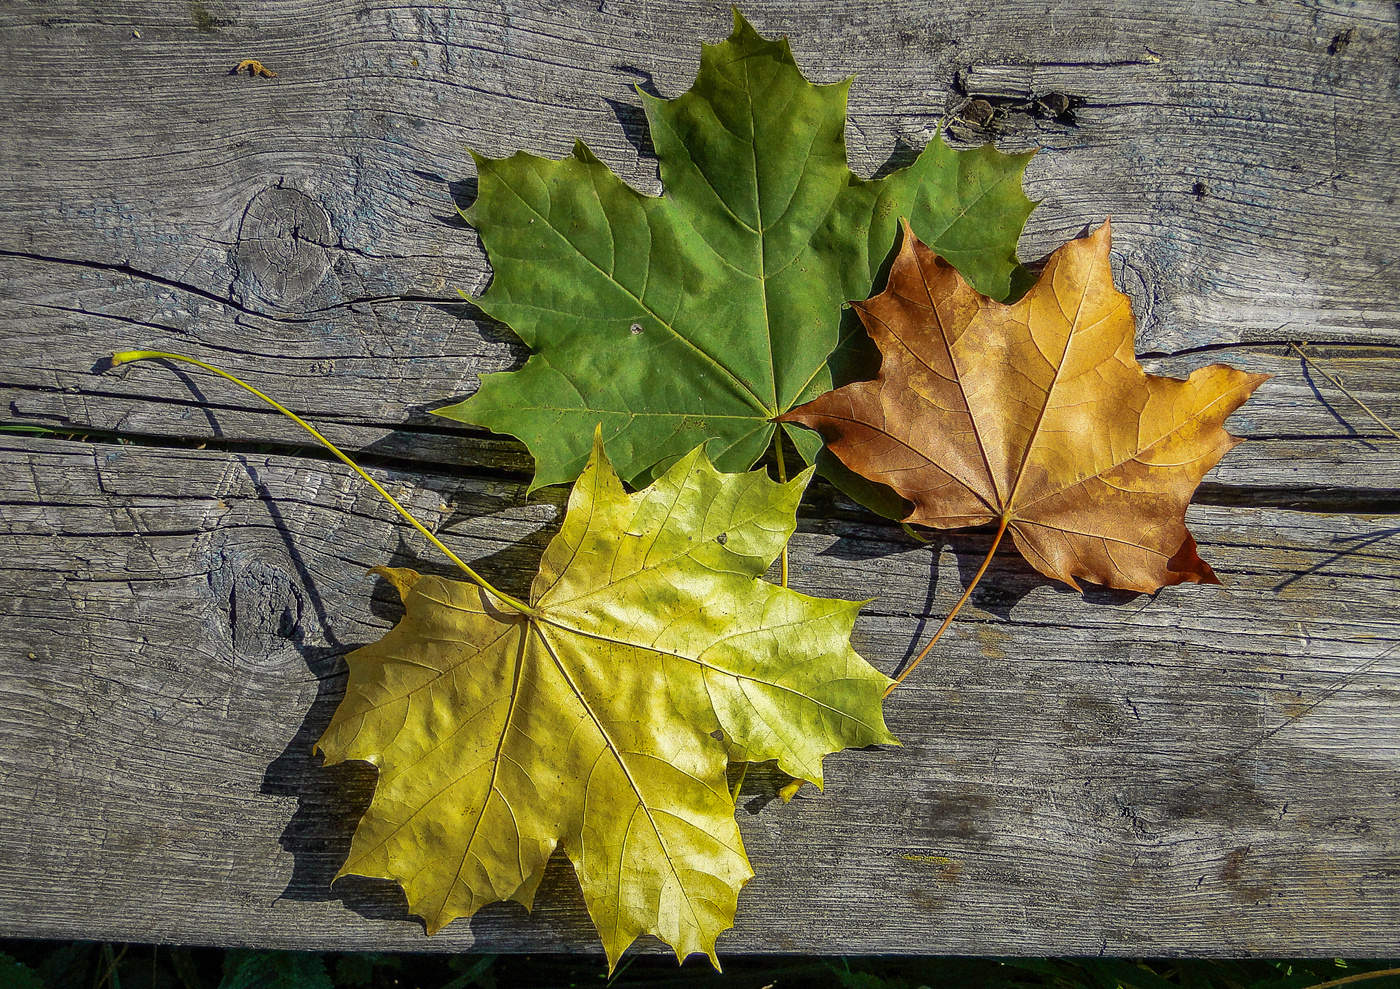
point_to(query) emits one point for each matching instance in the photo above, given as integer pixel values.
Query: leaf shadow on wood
(1008, 580)
(503, 514)
(455, 444)
(201, 401)
(558, 909)
(856, 543)
(330, 800)
(1311, 380)
(308, 583)
(1358, 543)
(646, 82)
(902, 154)
(762, 781)
(462, 191)
(633, 119)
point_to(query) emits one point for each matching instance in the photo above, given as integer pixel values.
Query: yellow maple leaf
(601, 716)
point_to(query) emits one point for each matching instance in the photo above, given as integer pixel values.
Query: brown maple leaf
(1035, 416)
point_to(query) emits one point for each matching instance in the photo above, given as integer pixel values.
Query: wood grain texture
(1212, 769)
(1206, 771)
(303, 228)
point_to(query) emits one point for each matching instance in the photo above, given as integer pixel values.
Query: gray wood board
(303, 228)
(63, 321)
(1209, 770)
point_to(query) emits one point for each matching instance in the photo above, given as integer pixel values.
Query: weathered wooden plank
(1246, 155)
(1208, 770)
(374, 100)
(1308, 434)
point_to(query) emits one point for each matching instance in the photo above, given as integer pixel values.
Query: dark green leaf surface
(15, 975)
(274, 970)
(702, 314)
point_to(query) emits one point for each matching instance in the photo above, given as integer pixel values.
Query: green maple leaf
(588, 719)
(703, 314)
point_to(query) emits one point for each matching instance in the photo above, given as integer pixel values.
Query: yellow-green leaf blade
(675, 565)
(443, 705)
(591, 724)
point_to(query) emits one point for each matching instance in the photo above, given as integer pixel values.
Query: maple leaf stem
(782, 478)
(130, 356)
(972, 585)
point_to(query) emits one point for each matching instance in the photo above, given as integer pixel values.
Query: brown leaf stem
(1001, 531)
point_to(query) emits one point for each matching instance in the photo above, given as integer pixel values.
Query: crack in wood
(125, 269)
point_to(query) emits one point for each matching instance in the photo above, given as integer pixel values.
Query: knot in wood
(282, 257)
(263, 606)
